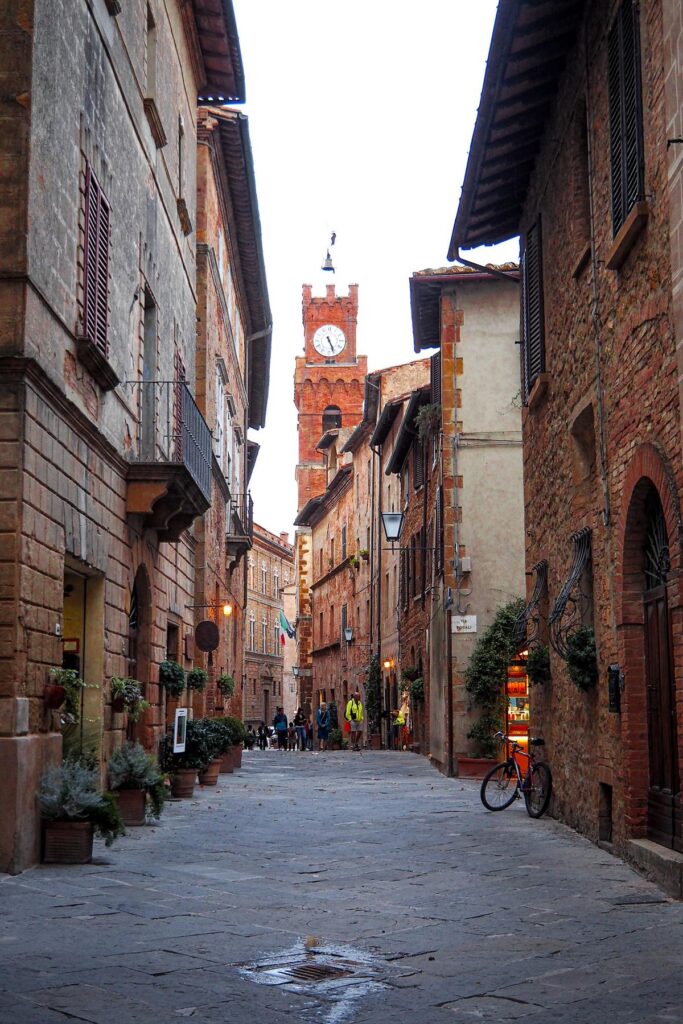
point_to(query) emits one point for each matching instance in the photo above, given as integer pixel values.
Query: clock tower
(329, 380)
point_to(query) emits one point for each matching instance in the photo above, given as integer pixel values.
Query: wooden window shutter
(96, 264)
(533, 349)
(435, 378)
(418, 463)
(438, 532)
(625, 113)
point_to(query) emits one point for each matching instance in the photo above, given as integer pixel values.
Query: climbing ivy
(486, 674)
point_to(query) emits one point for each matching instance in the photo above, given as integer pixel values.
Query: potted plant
(172, 678)
(226, 685)
(232, 757)
(335, 739)
(197, 679)
(126, 695)
(364, 554)
(219, 741)
(72, 809)
(355, 562)
(183, 767)
(64, 689)
(133, 776)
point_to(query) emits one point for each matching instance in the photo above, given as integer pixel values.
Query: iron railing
(241, 520)
(172, 429)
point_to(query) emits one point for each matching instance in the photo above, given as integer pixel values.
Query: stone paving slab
(464, 915)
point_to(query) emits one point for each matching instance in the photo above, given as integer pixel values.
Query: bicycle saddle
(537, 742)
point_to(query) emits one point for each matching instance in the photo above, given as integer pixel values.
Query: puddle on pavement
(338, 975)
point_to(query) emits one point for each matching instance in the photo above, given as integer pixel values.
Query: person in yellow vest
(354, 716)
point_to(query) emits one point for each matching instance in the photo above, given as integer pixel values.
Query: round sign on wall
(206, 635)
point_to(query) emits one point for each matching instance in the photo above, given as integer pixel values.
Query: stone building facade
(106, 457)
(270, 571)
(602, 419)
(232, 305)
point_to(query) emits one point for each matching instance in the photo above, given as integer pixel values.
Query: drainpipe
(493, 271)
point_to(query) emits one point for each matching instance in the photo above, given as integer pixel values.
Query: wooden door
(663, 799)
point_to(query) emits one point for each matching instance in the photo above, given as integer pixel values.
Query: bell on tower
(327, 262)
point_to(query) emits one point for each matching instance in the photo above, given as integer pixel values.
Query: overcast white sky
(360, 115)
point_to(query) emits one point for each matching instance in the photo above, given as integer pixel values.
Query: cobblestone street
(336, 888)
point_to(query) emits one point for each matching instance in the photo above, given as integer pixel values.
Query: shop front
(517, 704)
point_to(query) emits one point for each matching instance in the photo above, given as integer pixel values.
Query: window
(320, 632)
(252, 629)
(264, 578)
(250, 564)
(344, 618)
(264, 635)
(332, 418)
(625, 113)
(276, 639)
(276, 581)
(218, 435)
(331, 552)
(343, 543)
(96, 264)
(533, 346)
(418, 463)
(321, 561)
(332, 633)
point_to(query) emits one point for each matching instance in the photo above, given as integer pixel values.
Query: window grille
(625, 113)
(568, 610)
(528, 626)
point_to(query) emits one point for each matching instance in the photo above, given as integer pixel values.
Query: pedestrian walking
(322, 720)
(250, 738)
(262, 732)
(300, 726)
(291, 737)
(280, 725)
(354, 716)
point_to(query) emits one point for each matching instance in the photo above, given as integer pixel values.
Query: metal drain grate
(316, 972)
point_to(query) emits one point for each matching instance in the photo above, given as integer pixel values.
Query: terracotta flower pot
(118, 704)
(67, 842)
(131, 805)
(54, 695)
(236, 753)
(182, 783)
(227, 766)
(209, 777)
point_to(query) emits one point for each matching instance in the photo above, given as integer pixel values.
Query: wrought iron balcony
(169, 477)
(240, 527)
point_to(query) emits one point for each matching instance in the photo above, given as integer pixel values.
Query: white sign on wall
(464, 624)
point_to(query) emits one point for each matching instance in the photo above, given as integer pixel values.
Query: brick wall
(633, 407)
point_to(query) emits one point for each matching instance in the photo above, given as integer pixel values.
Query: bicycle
(520, 775)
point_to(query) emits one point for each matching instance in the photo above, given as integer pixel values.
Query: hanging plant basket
(54, 696)
(197, 679)
(172, 678)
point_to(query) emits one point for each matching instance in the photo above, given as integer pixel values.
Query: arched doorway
(663, 796)
(139, 622)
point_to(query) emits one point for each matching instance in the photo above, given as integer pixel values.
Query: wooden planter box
(209, 777)
(182, 783)
(474, 767)
(131, 806)
(67, 842)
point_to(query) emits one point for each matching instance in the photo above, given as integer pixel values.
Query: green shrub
(335, 737)
(198, 750)
(235, 728)
(69, 678)
(486, 675)
(172, 678)
(417, 691)
(130, 691)
(219, 733)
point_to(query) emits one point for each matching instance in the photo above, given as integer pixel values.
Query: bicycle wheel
(538, 787)
(499, 787)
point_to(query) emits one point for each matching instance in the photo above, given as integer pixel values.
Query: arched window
(252, 639)
(332, 418)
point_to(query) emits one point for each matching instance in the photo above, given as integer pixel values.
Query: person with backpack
(300, 726)
(281, 725)
(354, 716)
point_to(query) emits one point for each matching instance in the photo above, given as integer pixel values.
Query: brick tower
(328, 380)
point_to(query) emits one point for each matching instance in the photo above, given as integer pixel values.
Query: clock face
(329, 340)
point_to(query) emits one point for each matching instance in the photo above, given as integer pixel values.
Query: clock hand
(330, 344)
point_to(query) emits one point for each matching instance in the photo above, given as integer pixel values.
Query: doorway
(664, 819)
